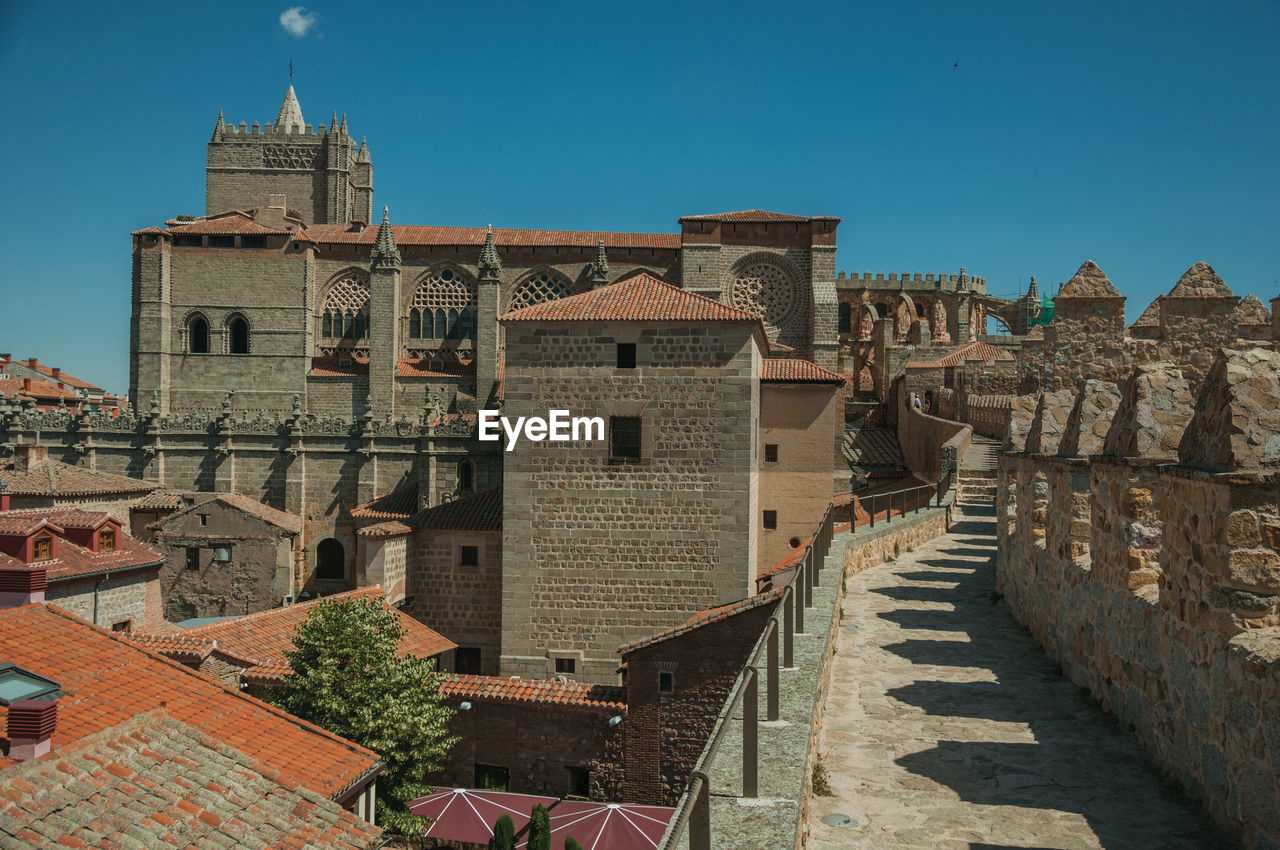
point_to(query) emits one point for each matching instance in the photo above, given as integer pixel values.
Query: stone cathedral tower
(325, 177)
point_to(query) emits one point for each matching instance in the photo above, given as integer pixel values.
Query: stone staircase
(977, 484)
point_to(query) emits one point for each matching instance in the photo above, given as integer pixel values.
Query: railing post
(915, 500)
(873, 511)
(810, 575)
(789, 628)
(816, 563)
(750, 735)
(773, 686)
(700, 817)
(888, 515)
(797, 601)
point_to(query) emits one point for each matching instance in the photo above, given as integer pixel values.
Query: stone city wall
(1147, 562)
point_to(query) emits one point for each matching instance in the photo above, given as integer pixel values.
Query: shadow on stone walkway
(947, 725)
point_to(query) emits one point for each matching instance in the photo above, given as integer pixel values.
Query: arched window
(345, 315)
(846, 317)
(438, 305)
(331, 560)
(237, 336)
(197, 335)
(539, 287)
(466, 476)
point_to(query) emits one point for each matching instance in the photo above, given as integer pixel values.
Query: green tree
(504, 834)
(347, 676)
(571, 844)
(540, 829)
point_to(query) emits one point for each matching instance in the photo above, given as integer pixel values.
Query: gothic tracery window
(198, 335)
(345, 315)
(766, 290)
(443, 308)
(537, 288)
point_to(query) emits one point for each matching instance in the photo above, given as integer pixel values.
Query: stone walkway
(948, 727)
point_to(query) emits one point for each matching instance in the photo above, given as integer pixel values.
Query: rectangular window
(204, 519)
(770, 452)
(107, 540)
(626, 355)
(579, 782)
(666, 682)
(624, 438)
(469, 556)
(221, 241)
(189, 240)
(490, 777)
(253, 241)
(193, 558)
(466, 660)
(42, 549)
(771, 519)
(566, 665)
(122, 626)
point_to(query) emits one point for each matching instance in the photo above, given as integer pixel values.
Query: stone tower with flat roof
(325, 176)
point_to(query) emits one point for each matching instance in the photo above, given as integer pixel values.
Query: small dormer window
(42, 547)
(107, 539)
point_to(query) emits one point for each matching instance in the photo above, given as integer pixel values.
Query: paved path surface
(948, 727)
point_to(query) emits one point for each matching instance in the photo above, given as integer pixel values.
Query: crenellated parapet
(912, 280)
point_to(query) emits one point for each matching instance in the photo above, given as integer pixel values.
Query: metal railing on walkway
(902, 497)
(693, 811)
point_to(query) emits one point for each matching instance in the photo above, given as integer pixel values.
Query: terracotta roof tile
(73, 560)
(36, 389)
(546, 691)
(228, 223)
(62, 480)
(969, 352)
(61, 377)
(478, 512)
(422, 369)
(502, 237)
(157, 771)
(110, 679)
(280, 519)
(338, 367)
(706, 618)
(755, 215)
(161, 500)
(398, 504)
(781, 370)
(263, 638)
(641, 298)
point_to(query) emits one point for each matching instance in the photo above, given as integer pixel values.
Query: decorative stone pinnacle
(219, 127)
(600, 268)
(489, 264)
(385, 252)
(363, 154)
(1033, 292)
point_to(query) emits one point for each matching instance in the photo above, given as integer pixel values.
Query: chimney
(31, 725)
(22, 585)
(27, 456)
(4, 496)
(26, 385)
(34, 363)
(57, 373)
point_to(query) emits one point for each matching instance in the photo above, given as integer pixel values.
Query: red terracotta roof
(338, 367)
(788, 562)
(969, 352)
(706, 618)
(61, 377)
(422, 369)
(109, 679)
(62, 480)
(161, 500)
(478, 512)
(502, 237)
(73, 560)
(642, 298)
(755, 215)
(263, 638)
(546, 691)
(155, 782)
(280, 519)
(36, 389)
(175, 645)
(781, 370)
(398, 504)
(232, 222)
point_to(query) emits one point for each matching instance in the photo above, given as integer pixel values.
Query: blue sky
(1141, 135)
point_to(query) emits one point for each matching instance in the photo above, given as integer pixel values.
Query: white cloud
(297, 21)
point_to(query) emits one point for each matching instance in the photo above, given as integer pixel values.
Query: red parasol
(608, 826)
(468, 815)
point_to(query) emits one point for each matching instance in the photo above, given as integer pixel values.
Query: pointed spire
(385, 253)
(290, 112)
(489, 263)
(600, 268)
(342, 128)
(362, 155)
(219, 127)
(333, 121)
(1033, 291)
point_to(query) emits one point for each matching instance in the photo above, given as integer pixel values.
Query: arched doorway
(331, 560)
